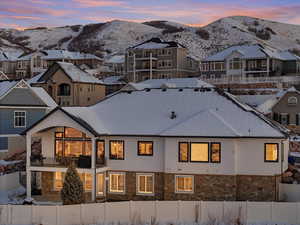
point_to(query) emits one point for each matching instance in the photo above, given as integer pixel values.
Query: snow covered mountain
(114, 37)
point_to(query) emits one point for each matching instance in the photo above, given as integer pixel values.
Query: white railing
(245, 80)
(153, 212)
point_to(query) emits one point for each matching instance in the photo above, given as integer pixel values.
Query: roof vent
(196, 89)
(147, 89)
(180, 90)
(164, 89)
(173, 115)
(129, 92)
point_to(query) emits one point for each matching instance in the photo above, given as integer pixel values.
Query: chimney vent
(173, 115)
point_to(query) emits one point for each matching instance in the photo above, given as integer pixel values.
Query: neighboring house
(161, 144)
(116, 64)
(284, 108)
(155, 59)
(3, 76)
(250, 61)
(68, 85)
(8, 63)
(34, 63)
(113, 84)
(20, 107)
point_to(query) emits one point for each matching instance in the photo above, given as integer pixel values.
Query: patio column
(93, 169)
(28, 171)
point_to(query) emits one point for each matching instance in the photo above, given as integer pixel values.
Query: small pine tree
(72, 191)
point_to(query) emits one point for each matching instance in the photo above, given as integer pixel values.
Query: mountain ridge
(114, 37)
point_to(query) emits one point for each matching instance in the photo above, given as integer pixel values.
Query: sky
(20, 14)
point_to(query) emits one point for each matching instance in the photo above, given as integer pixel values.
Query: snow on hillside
(114, 37)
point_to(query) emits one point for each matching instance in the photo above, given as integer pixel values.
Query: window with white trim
(145, 184)
(292, 100)
(19, 119)
(100, 184)
(184, 184)
(252, 65)
(284, 119)
(117, 182)
(235, 64)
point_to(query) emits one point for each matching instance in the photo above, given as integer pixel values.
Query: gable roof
(157, 43)
(206, 113)
(7, 86)
(73, 72)
(252, 52)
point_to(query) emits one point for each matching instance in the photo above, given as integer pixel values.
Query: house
(8, 63)
(116, 64)
(250, 61)
(160, 144)
(68, 85)
(31, 64)
(155, 59)
(284, 107)
(20, 107)
(113, 84)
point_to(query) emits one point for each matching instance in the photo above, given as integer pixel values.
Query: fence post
(178, 211)
(80, 213)
(200, 213)
(105, 208)
(155, 206)
(272, 208)
(130, 211)
(57, 215)
(247, 220)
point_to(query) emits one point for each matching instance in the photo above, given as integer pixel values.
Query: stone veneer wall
(207, 188)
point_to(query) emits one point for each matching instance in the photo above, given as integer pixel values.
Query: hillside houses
(169, 143)
(156, 59)
(250, 61)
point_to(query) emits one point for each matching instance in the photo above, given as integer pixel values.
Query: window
(116, 150)
(219, 66)
(264, 63)
(205, 66)
(292, 100)
(145, 183)
(100, 152)
(58, 180)
(100, 183)
(117, 182)
(199, 152)
(183, 152)
(64, 90)
(252, 65)
(184, 184)
(215, 152)
(19, 119)
(284, 119)
(271, 152)
(86, 179)
(145, 148)
(235, 64)
(72, 143)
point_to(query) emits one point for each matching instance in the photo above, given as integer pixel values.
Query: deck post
(93, 169)
(28, 171)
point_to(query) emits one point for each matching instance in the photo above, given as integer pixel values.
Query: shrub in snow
(72, 191)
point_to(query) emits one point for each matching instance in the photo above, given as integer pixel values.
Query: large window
(19, 119)
(183, 155)
(100, 152)
(116, 150)
(199, 152)
(284, 118)
(64, 90)
(72, 143)
(59, 177)
(215, 152)
(145, 148)
(100, 184)
(117, 182)
(145, 184)
(184, 184)
(271, 152)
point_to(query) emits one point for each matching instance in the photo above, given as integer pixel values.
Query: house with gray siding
(250, 61)
(20, 107)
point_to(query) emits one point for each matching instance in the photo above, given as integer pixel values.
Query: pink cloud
(99, 3)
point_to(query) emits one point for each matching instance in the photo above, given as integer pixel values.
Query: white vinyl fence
(152, 212)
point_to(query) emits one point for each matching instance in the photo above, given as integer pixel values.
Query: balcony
(64, 162)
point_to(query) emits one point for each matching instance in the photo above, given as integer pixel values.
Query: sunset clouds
(31, 13)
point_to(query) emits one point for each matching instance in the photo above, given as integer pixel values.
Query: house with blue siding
(20, 106)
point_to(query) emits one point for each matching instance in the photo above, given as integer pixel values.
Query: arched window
(292, 100)
(64, 90)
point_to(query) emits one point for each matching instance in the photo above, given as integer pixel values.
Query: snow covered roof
(157, 43)
(8, 56)
(252, 52)
(176, 83)
(116, 59)
(254, 100)
(198, 114)
(72, 71)
(60, 54)
(6, 85)
(36, 78)
(113, 80)
(266, 107)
